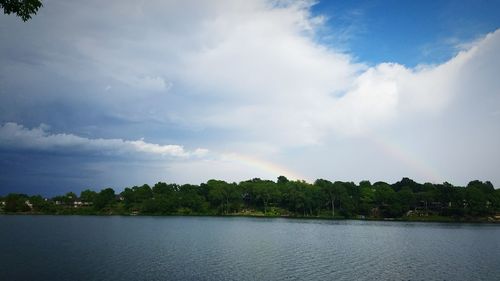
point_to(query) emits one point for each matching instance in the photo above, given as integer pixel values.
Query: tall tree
(104, 198)
(222, 193)
(330, 190)
(88, 195)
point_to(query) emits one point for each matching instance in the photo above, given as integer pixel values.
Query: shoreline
(433, 220)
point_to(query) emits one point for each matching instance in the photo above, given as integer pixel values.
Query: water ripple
(191, 248)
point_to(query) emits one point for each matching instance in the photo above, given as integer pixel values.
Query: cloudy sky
(119, 93)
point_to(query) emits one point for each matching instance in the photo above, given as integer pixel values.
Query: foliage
(404, 199)
(105, 198)
(16, 203)
(22, 8)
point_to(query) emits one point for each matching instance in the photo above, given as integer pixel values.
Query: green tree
(133, 197)
(405, 198)
(69, 198)
(222, 194)
(164, 188)
(348, 194)
(166, 197)
(282, 180)
(333, 191)
(104, 198)
(266, 192)
(476, 200)
(385, 199)
(495, 199)
(485, 187)
(22, 8)
(40, 204)
(367, 198)
(150, 206)
(190, 198)
(15, 202)
(88, 195)
(167, 204)
(294, 196)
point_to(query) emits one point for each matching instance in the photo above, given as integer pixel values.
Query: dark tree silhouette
(406, 199)
(22, 8)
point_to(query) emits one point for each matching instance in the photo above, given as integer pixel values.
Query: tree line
(323, 198)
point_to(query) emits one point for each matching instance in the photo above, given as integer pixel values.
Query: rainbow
(387, 146)
(404, 156)
(263, 165)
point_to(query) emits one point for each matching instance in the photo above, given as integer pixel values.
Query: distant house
(77, 203)
(29, 204)
(80, 203)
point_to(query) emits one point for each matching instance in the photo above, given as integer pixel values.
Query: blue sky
(406, 32)
(125, 93)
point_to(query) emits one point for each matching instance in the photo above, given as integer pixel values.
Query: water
(209, 248)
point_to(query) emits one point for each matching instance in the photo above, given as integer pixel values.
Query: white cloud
(15, 136)
(150, 83)
(250, 78)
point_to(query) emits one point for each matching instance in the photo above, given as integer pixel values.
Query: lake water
(213, 248)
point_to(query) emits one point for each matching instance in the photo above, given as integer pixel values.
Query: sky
(119, 93)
